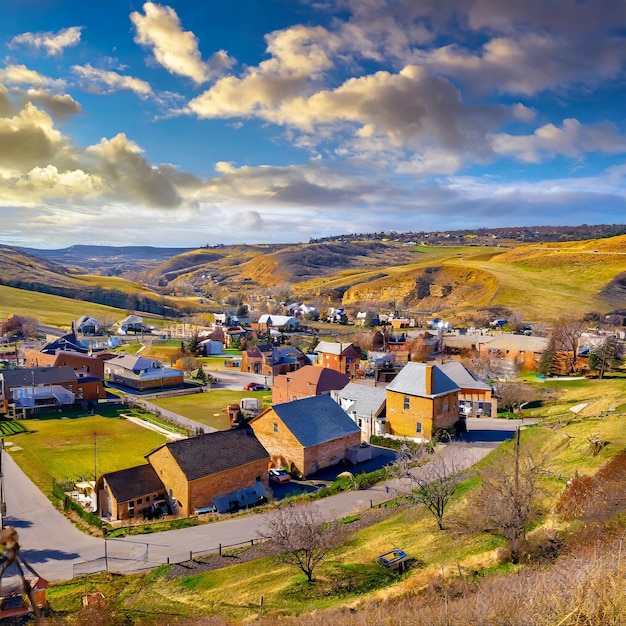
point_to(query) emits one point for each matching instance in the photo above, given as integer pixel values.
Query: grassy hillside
(456, 572)
(24, 271)
(538, 280)
(51, 310)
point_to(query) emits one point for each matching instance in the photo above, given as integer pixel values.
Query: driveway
(57, 550)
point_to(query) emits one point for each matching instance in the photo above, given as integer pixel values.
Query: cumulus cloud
(52, 43)
(129, 175)
(60, 106)
(571, 139)
(22, 75)
(109, 81)
(159, 29)
(29, 139)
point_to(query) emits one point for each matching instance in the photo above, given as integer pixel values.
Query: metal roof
(413, 377)
(363, 400)
(458, 373)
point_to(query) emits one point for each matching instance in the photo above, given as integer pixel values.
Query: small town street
(58, 551)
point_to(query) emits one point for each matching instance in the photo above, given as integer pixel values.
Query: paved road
(56, 549)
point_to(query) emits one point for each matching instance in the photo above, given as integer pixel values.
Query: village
(337, 406)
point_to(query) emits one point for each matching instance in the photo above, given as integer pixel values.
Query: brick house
(126, 493)
(26, 390)
(226, 468)
(476, 396)
(136, 372)
(305, 382)
(81, 363)
(513, 353)
(341, 357)
(306, 435)
(269, 360)
(420, 399)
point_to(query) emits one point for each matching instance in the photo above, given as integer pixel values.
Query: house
(476, 397)
(27, 390)
(366, 318)
(306, 435)
(132, 325)
(279, 322)
(140, 373)
(126, 493)
(421, 399)
(508, 354)
(210, 346)
(341, 357)
(365, 405)
(270, 360)
(305, 382)
(86, 325)
(226, 469)
(81, 363)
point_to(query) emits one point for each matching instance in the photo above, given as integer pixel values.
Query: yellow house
(420, 399)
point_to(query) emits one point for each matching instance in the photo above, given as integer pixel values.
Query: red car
(255, 387)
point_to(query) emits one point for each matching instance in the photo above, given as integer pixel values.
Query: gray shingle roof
(412, 379)
(216, 452)
(133, 482)
(315, 420)
(463, 377)
(27, 376)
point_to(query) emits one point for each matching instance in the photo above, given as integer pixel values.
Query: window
(418, 427)
(275, 427)
(139, 500)
(445, 405)
(147, 498)
(359, 422)
(407, 402)
(258, 479)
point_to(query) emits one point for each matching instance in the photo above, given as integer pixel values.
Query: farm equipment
(31, 598)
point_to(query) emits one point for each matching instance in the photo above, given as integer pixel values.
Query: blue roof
(315, 420)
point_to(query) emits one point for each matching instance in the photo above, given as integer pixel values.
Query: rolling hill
(540, 280)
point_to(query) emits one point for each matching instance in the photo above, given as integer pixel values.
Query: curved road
(58, 551)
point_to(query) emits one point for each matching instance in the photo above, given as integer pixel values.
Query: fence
(124, 557)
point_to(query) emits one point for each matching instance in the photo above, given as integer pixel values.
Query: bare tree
(504, 502)
(302, 536)
(567, 331)
(512, 395)
(435, 487)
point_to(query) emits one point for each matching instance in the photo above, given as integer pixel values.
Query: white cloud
(22, 75)
(174, 48)
(572, 139)
(53, 43)
(112, 81)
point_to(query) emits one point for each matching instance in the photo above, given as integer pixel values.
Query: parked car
(278, 475)
(255, 387)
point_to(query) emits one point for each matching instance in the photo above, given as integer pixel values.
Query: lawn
(51, 310)
(63, 447)
(208, 408)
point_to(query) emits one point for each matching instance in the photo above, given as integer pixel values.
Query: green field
(51, 310)
(208, 408)
(63, 447)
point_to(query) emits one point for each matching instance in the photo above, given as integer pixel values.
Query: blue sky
(253, 121)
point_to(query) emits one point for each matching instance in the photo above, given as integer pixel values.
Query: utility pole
(95, 465)
(3, 506)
